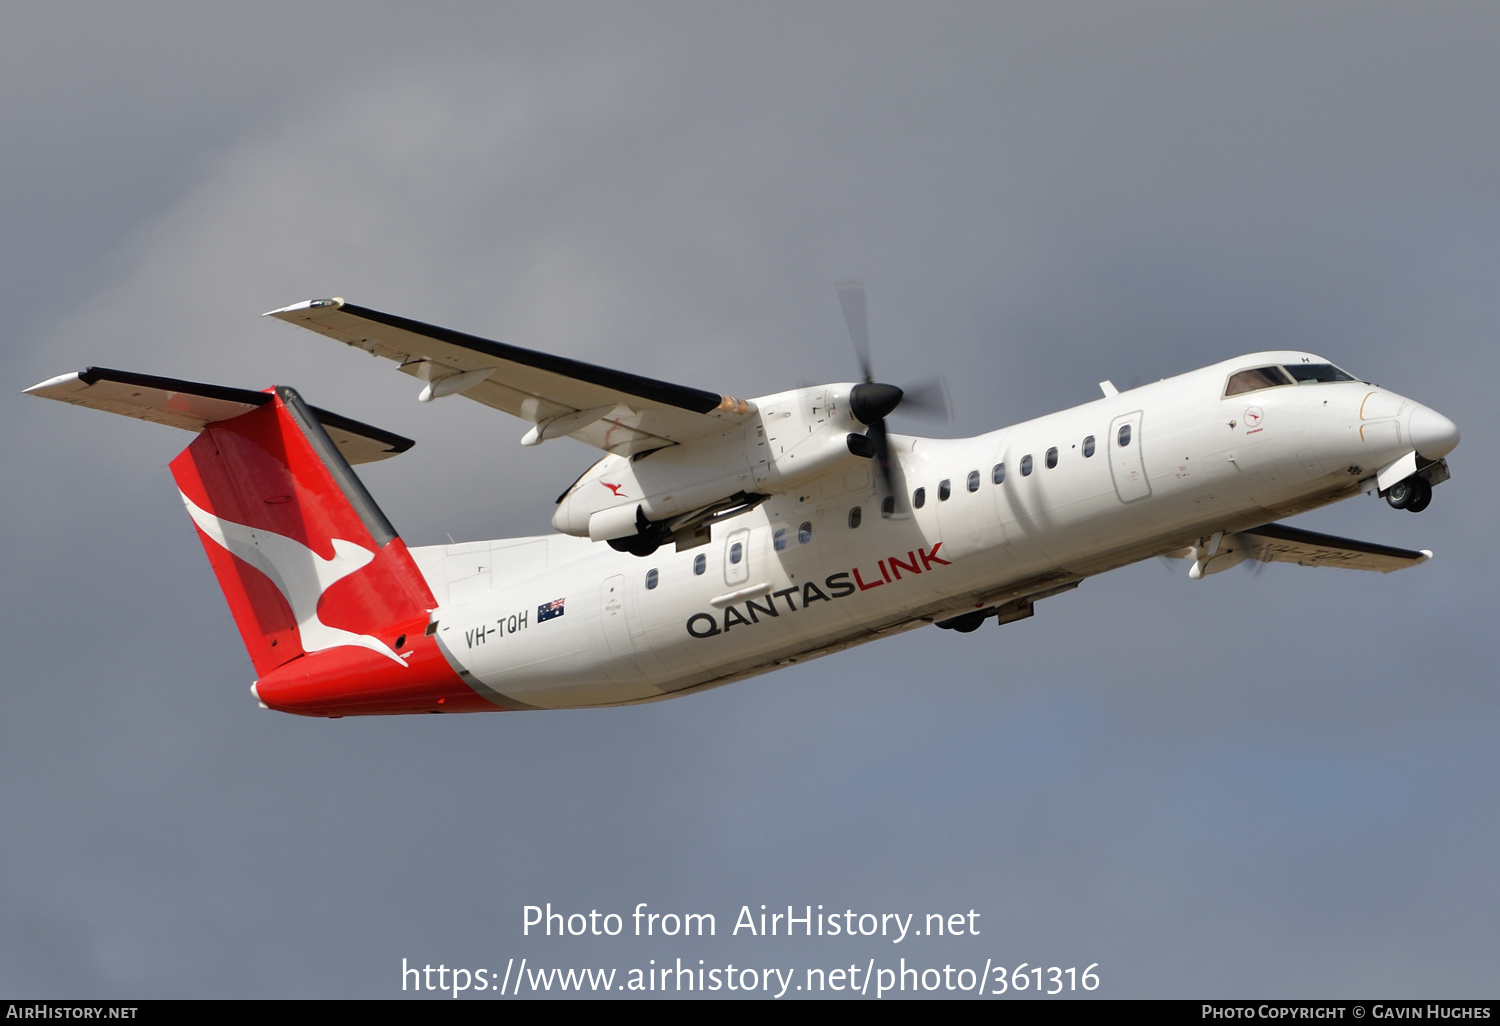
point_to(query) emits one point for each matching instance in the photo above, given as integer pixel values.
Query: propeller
(871, 401)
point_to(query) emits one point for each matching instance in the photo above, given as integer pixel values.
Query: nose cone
(1432, 434)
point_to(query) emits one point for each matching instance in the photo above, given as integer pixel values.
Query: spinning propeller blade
(852, 299)
(929, 399)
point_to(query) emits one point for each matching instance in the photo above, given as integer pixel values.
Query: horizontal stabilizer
(192, 406)
(1277, 543)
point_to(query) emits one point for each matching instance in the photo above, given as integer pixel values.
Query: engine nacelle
(796, 437)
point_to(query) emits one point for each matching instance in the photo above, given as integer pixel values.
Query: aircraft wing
(1277, 543)
(612, 410)
(192, 406)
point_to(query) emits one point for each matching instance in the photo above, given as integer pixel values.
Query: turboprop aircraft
(719, 538)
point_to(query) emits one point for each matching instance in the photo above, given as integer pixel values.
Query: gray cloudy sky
(1274, 784)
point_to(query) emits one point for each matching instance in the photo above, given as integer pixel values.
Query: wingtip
(287, 312)
(42, 387)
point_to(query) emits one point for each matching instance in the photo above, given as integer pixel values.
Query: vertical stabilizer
(306, 559)
(330, 604)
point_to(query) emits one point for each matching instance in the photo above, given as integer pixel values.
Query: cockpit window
(1312, 373)
(1244, 381)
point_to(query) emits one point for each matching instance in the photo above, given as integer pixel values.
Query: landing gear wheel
(644, 546)
(1423, 496)
(1401, 494)
(967, 623)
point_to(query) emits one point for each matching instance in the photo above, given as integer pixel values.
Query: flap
(191, 405)
(624, 413)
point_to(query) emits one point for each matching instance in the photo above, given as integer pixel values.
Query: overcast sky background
(1273, 784)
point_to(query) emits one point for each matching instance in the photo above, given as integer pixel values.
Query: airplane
(720, 538)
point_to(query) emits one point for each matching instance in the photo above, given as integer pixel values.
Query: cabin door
(1126, 461)
(617, 631)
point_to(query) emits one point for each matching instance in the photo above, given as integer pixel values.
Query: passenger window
(1052, 457)
(973, 480)
(998, 474)
(887, 507)
(804, 533)
(779, 539)
(1088, 446)
(651, 579)
(736, 553)
(700, 564)
(919, 498)
(1124, 435)
(1026, 465)
(1244, 381)
(945, 489)
(855, 516)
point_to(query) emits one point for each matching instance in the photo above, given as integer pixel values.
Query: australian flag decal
(549, 611)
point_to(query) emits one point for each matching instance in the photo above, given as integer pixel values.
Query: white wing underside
(1277, 543)
(615, 411)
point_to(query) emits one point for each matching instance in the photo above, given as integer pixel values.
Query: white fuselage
(795, 578)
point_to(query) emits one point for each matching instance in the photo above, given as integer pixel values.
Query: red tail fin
(330, 604)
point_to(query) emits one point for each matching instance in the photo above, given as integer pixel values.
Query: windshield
(1257, 378)
(1312, 373)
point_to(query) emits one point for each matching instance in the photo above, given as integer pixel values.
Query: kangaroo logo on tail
(299, 573)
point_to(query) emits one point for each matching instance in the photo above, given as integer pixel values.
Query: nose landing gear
(1413, 494)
